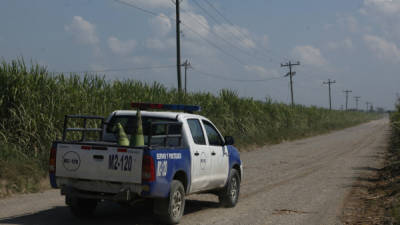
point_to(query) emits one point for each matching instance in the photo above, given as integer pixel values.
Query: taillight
(122, 150)
(148, 170)
(85, 147)
(52, 161)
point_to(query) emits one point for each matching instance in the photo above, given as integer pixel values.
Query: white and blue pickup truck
(183, 153)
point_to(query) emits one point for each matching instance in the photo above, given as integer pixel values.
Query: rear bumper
(123, 196)
(99, 189)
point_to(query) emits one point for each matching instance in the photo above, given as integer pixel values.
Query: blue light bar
(176, 107)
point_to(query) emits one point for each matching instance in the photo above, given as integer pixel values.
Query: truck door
(219, 156)
(200, 155)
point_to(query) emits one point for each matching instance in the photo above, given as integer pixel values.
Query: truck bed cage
(83, 129)
(171, 137)
(161, 134)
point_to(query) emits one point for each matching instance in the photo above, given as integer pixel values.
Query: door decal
(162, 168)
(203, 161)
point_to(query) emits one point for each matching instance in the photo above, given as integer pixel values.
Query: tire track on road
(316, 164)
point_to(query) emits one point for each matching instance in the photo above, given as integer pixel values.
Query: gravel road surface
(299, 182)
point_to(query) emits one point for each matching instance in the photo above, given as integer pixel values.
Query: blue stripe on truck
(167, 163)
(234, 158)
(53, 180)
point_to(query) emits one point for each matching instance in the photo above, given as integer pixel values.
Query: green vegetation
(390, 175)
(33, 103)
(18, 173)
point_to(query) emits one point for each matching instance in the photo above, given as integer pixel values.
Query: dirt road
(299, 182)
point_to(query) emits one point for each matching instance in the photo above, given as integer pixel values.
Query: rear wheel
(229, 195)
(170, 210)
(82, 207)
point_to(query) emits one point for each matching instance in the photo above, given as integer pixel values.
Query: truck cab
(183, 154)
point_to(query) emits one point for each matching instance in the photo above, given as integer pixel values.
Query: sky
(230, 44)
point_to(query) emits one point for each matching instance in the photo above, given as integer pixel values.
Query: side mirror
(229, 140)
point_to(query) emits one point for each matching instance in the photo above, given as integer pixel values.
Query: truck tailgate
(104, 163)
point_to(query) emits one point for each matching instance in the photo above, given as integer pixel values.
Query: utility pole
(367, 103)
(357, 98)
(291, 74)
(329, 84)
(178, 48)
(347, 96)
(187, 65)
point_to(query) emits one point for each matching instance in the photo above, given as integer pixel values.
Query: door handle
(98, 157)
(196, 154)
(213, 153)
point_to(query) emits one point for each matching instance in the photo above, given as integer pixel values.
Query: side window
(197, 132)
(212, 134)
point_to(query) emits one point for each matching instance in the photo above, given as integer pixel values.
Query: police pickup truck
(182, 154)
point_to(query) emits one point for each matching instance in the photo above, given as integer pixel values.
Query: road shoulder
(367, 200)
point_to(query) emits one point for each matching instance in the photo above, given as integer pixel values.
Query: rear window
(159, 137)
(129, 125)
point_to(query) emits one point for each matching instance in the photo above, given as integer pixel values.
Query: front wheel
(171, 209)
(229, 195)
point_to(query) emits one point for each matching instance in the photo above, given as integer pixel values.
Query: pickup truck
(183, 154)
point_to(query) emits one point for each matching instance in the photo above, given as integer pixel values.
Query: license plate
(121, 162)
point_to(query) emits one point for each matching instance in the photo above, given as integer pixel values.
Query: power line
(214, 45)
(188, 27)
(225, 18)
(232, 79)
(219, 13)
(138, 8)
(243, 36)
(219, 36)
(195, 32)
(216, 34)
(119, 69)
(170, 67)
(205, 11)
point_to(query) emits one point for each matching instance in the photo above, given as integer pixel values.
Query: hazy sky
(231, 44)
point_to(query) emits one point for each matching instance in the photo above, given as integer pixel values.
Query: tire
(170, 210)
(81, 207)
(229, 195)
